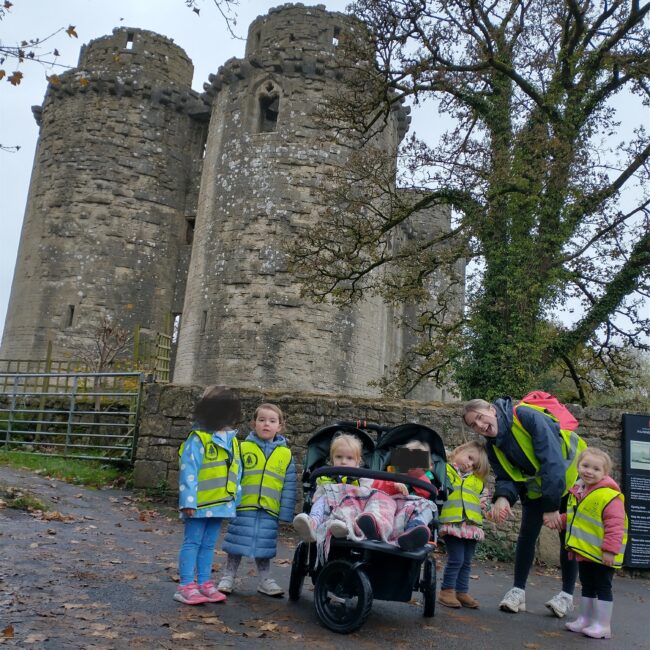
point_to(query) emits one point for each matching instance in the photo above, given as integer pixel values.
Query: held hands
(608, 558)
(553, 520)
(500, 510)
(188, 512)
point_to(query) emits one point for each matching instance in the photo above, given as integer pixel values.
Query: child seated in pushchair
(358, 509)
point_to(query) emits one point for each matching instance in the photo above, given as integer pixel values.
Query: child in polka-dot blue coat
(216, 412)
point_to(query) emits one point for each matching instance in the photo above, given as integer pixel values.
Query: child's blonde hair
(598, 453)
(482, 467)
(270, 407)
(420, 445)
(346, 440)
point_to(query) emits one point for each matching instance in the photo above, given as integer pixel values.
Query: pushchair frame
(357, 572)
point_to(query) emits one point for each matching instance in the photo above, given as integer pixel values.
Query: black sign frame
(636, 488)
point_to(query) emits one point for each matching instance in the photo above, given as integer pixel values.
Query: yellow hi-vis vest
(263, 477)
(340, 479)
(572, 445)
(218, 474)
(585, 530)
(464, 502)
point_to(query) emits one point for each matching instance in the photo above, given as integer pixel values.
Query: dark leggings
(596, 580)
(532, 519)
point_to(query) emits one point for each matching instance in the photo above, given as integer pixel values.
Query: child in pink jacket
(596, 527)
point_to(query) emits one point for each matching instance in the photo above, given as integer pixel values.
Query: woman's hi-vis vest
(218, 474)
(585, 531)
(572, 445)
(263, 477)
(464, 502)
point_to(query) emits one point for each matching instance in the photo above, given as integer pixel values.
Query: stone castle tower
(117, 222)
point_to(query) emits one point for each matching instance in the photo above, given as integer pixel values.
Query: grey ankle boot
(585, 615)
(600, 628)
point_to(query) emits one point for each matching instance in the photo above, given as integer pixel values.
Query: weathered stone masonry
(149, 201)
(166, 410)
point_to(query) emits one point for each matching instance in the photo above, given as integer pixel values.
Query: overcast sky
(205, 39)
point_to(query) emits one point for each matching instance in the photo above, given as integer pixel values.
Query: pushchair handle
(362, 472)
(363, 425)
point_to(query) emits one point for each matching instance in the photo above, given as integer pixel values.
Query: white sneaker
(338, 529)
(304, 525)
(514, 601)
(561, 604)
(270, 587)
(225, 584)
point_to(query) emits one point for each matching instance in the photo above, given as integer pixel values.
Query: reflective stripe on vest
(263, 478)
(218, 475)
(585, 529)
(572, 445)
(464, 502)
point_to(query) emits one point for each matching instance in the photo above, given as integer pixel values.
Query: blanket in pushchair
(393, 514)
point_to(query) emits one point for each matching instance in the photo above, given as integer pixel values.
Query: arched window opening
(269, 104)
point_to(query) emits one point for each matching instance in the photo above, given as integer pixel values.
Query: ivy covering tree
(550, 192)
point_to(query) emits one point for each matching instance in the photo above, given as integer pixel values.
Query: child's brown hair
(482, 468)
(270, 407)
(598, 453)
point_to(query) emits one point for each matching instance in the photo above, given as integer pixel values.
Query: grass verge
(90, 473)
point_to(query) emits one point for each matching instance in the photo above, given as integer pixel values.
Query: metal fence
(75, 415)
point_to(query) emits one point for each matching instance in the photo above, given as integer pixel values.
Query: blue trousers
(460, 553)
(197, 551)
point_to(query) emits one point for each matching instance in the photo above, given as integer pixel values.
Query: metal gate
(75, 415)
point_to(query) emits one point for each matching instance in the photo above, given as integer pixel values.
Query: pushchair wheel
(299, 568)
(342, 597)
(428, 587)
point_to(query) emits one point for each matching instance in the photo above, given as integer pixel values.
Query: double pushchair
(356, 572)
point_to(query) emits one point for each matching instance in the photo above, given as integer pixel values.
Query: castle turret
(244, 321)
(112, 196)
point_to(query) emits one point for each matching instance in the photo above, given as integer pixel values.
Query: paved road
(101, 576)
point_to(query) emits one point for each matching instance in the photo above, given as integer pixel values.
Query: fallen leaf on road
(115, 561)
(475, 577)
(282, 562)
(8, 632)
(35, 638)
(55, 515)
(180, 636)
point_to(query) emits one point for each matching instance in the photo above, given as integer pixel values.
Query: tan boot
(467, 601)
(448, 598)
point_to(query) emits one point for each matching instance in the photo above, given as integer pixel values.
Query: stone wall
(165, 422)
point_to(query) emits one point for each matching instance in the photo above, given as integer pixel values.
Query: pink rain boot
(585, 617)
(600, 628)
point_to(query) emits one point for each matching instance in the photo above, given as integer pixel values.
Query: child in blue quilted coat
(268, 497)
